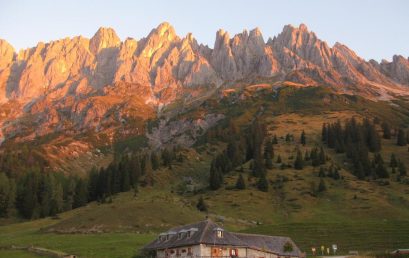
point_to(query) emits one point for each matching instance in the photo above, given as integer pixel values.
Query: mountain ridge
(75, 85)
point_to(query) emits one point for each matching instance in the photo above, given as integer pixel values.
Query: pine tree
(275, 141)
(81, 194)
(393, 162)
(240, 184)
(374, 143)
(7, 195)
(306, 155)
(57, 200)
(321, 173)
(125, 180)
(401, 169)
(386, 130)
(324, 133)
(262, 184)
(288, 137)
(69, 194)
(381, 171)
(216, 177)
(401, 140)
(322, 157)
(155, 161)
(201, 205)
(359, 171)
(299, 162)
(336, 175)
(148, 172)
(268, 154)
(278, 159)
(303, 138)
(322, 187)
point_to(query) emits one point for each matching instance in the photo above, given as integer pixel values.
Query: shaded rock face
(82, 83)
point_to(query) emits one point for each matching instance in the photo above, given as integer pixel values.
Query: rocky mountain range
(78, 84)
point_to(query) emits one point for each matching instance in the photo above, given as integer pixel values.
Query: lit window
(219, 233)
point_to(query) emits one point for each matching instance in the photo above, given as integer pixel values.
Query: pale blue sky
(373, 28)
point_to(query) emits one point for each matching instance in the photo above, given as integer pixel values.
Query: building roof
(271, 244)
(204, 233)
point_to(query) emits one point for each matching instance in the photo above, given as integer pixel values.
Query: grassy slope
(376, 220)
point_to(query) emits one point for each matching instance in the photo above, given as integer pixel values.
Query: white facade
(203, 250)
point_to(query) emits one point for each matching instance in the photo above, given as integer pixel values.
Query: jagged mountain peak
(165, 31)
(105, 37)
(7, 53)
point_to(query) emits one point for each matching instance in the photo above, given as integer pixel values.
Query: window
(233, 253)
(189, 251)
(188, 234)
(180, 235)
(219, 233)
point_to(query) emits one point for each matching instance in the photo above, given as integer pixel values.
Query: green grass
(18, 254)
(374, 236)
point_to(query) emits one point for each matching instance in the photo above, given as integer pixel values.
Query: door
(217, 252)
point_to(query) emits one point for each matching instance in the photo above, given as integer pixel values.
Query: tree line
(40, 193)
(357, 140)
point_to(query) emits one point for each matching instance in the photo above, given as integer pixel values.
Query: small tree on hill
(302, 138)
(402, 169)
(386, 130)
(201, 205)
(262, 184)
(401, 140)
(299, 162)
(240, 184)
(393, 162)
(322, 187)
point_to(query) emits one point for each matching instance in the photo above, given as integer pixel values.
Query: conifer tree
(299, 162)
(216, 177)
(262, 184)
(322, 187)
(324, 133)
(240, 184)
(402, 169)
(303, 138)
(278, 159)
(359, 171)
(155, 161)
(275, 141)
(201, 205)
(386, 130)
(7, 194)
(393, 162)
(268, 154)
(322, 157)
(321, 173)
(149, 180)
(81, 194)
(401, 140)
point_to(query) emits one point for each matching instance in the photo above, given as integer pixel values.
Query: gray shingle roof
(271, 244)
(206, 235)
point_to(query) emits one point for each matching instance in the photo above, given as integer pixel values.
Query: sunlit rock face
(93, 83)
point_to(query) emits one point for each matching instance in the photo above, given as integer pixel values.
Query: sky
(374, 29)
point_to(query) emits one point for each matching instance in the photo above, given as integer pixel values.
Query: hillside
(346, 213)
(72, 96)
